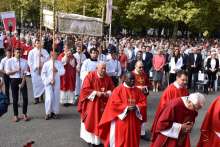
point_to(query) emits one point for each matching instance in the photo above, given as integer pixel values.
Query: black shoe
(47, 117)
(54, 116)
(147, 136)
(36, 100)
(65, 105)
(42, 99)
(76, 102)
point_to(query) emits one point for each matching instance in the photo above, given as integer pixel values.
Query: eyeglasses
(141, 67)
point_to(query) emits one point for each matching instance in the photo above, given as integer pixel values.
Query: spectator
(158, 65)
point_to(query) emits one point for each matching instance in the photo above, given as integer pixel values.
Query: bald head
(139, 66)
(101, 68)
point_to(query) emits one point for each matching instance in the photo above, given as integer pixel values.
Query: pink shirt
(158, 62)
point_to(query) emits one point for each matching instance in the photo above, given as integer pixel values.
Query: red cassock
(24, 49)
(175, 111)
(91, 111)
(211, 124)
(127, 131)
(171, 92)
(68, 80)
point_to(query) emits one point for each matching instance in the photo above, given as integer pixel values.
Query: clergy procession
(81, 81)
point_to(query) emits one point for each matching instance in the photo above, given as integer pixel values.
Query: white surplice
(87, 66)
(52, 93)
(33, 62)
(80, 58)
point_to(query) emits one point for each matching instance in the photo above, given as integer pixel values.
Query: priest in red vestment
(210, 130)
(121, 121)
(68, 80)
(141, 79)
(142, 82)
(26, 47)
(175, 122)
(96, 89)
(174, 90)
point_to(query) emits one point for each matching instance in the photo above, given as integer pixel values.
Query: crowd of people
(110, 84)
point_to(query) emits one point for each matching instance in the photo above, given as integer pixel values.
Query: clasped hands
(132, 107)
(187, 127)
(99, 94)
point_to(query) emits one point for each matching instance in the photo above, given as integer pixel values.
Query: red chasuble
(211, 124)
(174, 111)
(91, 111)
(68, 80)
(171, 92)
(126, 131)
(141, 79)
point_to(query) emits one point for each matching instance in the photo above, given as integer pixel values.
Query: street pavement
(64, 132)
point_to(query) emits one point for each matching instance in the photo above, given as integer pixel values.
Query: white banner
(78, 24)
(48, 19)
(108, 19)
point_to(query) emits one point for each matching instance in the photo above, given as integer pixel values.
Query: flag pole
(41, 5)
(53, 53)
(110, 33)
(54, 26)
(103, 37)
(39, 72)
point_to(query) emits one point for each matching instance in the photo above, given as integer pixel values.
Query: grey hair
(197, 98)
(101, 63)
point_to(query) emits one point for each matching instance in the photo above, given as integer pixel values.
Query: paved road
(64, 132)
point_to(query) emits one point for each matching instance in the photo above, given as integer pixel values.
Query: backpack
(4, 102)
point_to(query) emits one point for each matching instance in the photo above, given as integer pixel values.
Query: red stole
(141, 79)
(91, 111)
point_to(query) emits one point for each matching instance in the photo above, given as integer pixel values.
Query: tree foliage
(134, 15)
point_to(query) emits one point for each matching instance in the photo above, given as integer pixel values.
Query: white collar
(176, 85)
(185, 99)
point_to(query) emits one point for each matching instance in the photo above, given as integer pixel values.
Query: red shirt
(123, 59)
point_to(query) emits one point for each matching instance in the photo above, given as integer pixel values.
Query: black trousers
(115, 80)
(7, 82)
(172, 78)
(192, 83)
(212, 78)
(15, 95)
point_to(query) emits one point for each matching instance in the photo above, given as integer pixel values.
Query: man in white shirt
(36, 59)
(113, 68)
(6, 78)
(16, 68)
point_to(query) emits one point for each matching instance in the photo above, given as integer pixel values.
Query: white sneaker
(154, 90)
